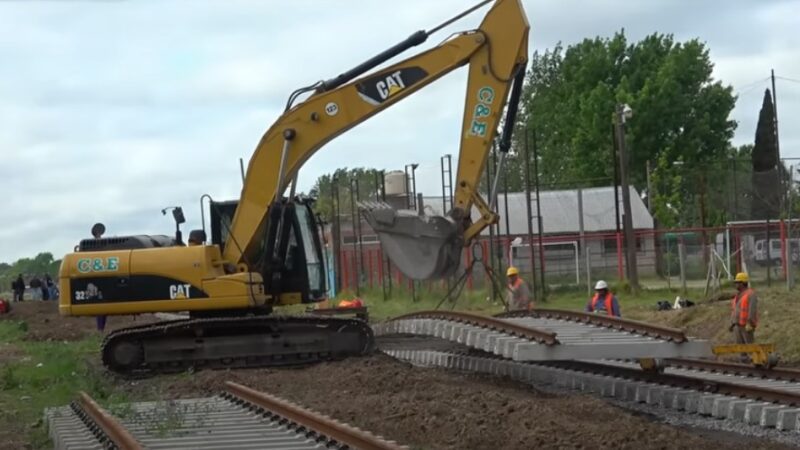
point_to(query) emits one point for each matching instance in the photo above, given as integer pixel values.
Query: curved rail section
(549, 335)
(765, 407)
(632, 326)
(530, 333)
(238, 418)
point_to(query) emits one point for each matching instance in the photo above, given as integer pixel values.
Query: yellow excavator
(264, 250)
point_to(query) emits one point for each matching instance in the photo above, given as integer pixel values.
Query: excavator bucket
(423, 247)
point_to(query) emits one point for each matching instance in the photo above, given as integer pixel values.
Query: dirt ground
(44, 322)
(423, 408)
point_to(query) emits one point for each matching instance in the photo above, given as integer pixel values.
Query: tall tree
(679, 112)
(766, 170)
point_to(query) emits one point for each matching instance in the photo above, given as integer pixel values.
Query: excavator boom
(422, 247)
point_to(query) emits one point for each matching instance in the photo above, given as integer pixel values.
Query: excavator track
(233, 342)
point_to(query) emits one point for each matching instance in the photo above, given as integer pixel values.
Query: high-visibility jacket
(518, 295)
(743, 312)
(608, 302)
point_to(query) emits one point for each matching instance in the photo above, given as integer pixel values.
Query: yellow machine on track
(264, 249)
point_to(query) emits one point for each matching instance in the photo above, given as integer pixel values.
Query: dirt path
(44, 323)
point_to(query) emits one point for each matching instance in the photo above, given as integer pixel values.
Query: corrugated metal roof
(560, 211)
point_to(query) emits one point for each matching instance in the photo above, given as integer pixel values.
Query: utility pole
(775, 128)
(775, 113)
(623, 112)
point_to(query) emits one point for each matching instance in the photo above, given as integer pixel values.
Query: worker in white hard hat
(603, 301)
(519, 296)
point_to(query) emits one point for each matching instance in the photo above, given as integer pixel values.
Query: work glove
(749, 328)
(730, 328)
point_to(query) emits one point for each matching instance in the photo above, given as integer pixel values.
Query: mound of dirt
(44, 323)
(437, 409)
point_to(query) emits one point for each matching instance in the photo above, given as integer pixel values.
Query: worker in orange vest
(519, 296)
(744, 311)
(603, 302)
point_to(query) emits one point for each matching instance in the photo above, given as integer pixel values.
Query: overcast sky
(112, 110)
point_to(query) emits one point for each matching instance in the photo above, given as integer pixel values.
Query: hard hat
(742, 277)
(512, 271)
(600, 285)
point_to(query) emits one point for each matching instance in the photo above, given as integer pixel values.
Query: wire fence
(696, 227)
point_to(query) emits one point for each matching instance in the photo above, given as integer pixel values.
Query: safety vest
(744, 308)
(516, 284)
(608, 302)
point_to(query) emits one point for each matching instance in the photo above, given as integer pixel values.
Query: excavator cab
(290, 260)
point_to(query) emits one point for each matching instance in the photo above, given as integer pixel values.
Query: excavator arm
(496, 53)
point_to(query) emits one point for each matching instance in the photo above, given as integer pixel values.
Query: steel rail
(341, 433)
(775, 373)
(683, 381)
(633, 326)
(492, 323)
(108, 428)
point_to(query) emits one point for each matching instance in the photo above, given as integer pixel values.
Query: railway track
(549, 335)
(767, 398)
(238, 418)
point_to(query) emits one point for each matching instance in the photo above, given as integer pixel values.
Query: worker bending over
(603, 302)
(744, 311)
(519, 296)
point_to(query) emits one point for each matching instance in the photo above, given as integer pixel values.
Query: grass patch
(46, 374)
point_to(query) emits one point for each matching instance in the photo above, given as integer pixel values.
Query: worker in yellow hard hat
(744, 311)
(519, 296)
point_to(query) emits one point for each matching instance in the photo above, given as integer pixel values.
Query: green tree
(767, 190)
(679, 112)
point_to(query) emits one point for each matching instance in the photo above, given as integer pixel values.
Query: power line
(793, 80)
(750, 86)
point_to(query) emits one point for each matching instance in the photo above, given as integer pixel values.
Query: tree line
(39, 265)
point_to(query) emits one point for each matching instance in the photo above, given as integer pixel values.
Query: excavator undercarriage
(234, 342)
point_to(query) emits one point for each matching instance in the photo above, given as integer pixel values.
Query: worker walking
(603, 302)
(744, 311)
(519, 296)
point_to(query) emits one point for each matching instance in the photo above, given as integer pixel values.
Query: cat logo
(179, 291)
(383, 86)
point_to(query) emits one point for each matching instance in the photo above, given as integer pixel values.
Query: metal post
(356, 239)
(337, 233)
(649, 190)
(539, 218)
(387, 263)
(450, 178)
(616, 174)
(241, 168)
(491, 262)
(362, 275)
(528, 210)
(769, 256)
(682, 263)
(789, 274)
(505, 201)
(630, 239)
(583, 242)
